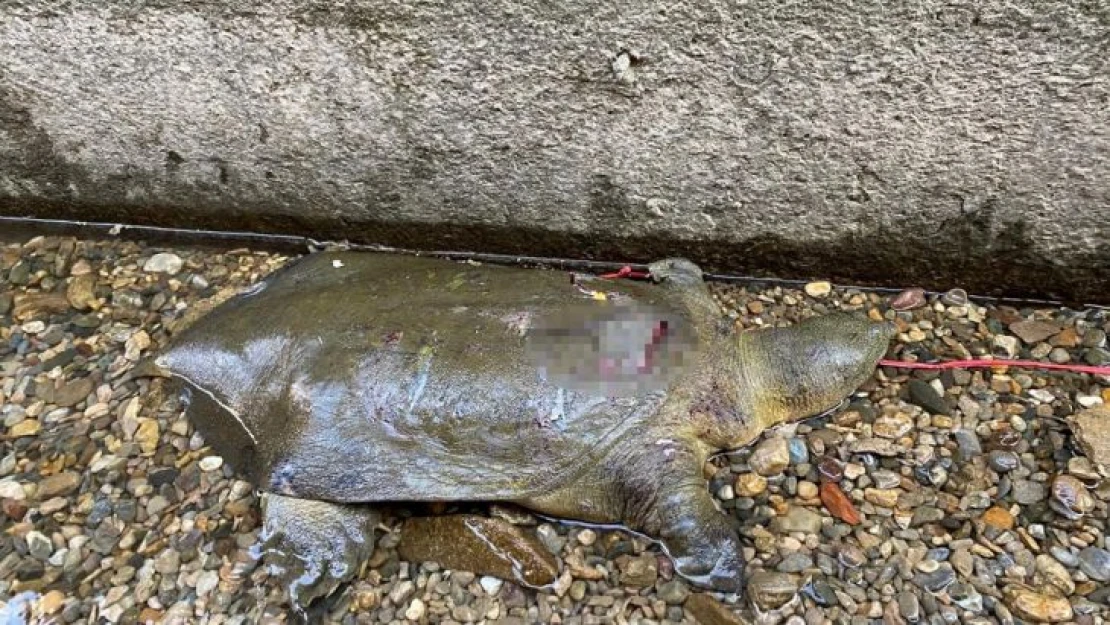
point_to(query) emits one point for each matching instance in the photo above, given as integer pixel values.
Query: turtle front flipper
(702, 541)
(314, 546)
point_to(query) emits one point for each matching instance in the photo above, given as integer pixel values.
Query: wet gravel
(933, 497)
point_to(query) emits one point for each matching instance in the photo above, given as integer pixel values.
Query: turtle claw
(312, 547)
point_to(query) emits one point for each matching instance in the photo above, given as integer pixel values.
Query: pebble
(770, 457)
(640, 572)
(1006, 346)
(1030, 604)
(807, 490)
(955, 297)
(415, 611)
(81, 293)
(923, 394)
(1033, 332)
(1028, 492)
(909, 607)
(750, 485)
(1049, 571)
(73, 393)
(936, 580)
(771, 590)
(39, 545)
(164, 262)
(673, 592)
(818, 289)
(998, 518)
(59, 484)
(893, 426)
(909, 299)
(798, 519)
(1092, 433)
(1095, 563)
(706, 610)
(1070, 497)
(1003, 461)
(211, 463)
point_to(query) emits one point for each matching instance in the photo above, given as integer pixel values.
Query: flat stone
(923, 394)
(1095, 563)
(892, 426)
(1050, 572)
(797, 519)
(640, 572)
(1033, 332)
(936, 580)
(795, 563)
(26, 427)
(81, 293)
(673, 592)
(1092, 433)
(73, 392)
(769, 590)
(706, 610)
(909, 299)
(1028, 492)
(1030, 604)
(58, 484)
(484, 546)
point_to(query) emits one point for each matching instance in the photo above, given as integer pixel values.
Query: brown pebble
(708, 611)
(909, 299)
(838, 503)
(831, 469)
(60, 484)
(13, 509)
(998, 517)
(485, 546)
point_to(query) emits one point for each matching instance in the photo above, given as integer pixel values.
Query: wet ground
(938, 497)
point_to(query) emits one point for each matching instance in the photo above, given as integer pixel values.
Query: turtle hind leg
(314, 546)
(663, 496)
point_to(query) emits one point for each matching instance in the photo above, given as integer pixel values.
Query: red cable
(626, 272)
(989, 364)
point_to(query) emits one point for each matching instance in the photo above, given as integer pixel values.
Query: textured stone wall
(936, 142)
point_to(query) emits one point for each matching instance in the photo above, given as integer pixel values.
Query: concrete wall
(946, 143)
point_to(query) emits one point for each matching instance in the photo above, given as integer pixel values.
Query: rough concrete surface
(945, 143)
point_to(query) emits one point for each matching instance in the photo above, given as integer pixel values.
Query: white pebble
(10, 489)
(211, 463)
(163, 263)
(587, 537)
(207, 582)
(818, 289)
(34, 327)
(415, 611)
(491, 585)
(1089, 401)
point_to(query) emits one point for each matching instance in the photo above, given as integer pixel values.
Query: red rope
(990, 364)
(626, 272)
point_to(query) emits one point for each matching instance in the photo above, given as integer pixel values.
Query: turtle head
(676, 271)
(808, 368)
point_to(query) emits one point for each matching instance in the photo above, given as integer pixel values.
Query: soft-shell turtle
(349, 378)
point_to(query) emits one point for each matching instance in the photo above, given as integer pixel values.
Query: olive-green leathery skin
(353, 377)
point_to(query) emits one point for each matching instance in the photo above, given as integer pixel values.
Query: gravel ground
(937, 497)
